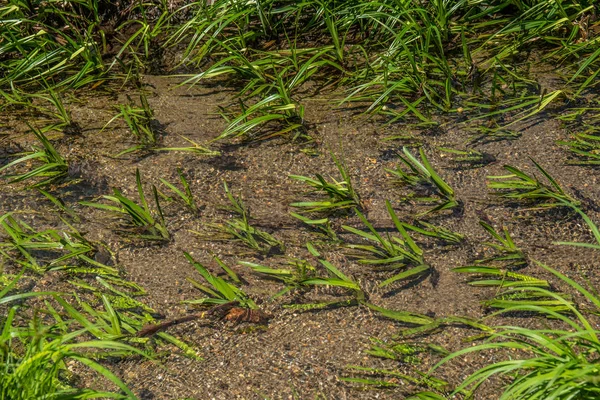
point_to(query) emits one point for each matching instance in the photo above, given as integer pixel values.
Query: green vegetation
(140, 121)
(521, 187)
(585, 141)
(35, 357)
(186, 195)
(341, 194)
(449, 77)
(46, 333)
(238, 228)
(53, 166)
(144, 224)
(422, 177)
(391, 253)
(564, 358)
(220, 291)
(468, 158)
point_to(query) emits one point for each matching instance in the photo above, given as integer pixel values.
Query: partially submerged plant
(558, 362)
(219, 290)
(294, 275)
(145, 223)
(498, 270)
(340, 194)
(584, 143)
(60, 204)
(239, 228)
(66, 123)
(304, 276)
(421, 176)
(49, 249)
(36, 50)
(260, 115)
(228, 302)
(140, 121)
(390, 253)
(321, 225)
(53, 166)
(36, 360)
(438, 232)
(507, 253)
(186, 195)
(500, 277)
(521, 187)
(266, 105)
(593, 227)
(124, 316)
(195, 148)
(468, 158)
(484, 134)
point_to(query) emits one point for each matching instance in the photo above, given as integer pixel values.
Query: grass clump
(507, 252)
(519, 186)
(437, 232)
(52, 169)
(141, 123)
(304, 277)
(144, 223)
(584, 144)
(195, 148)
(322, 226)
(186, 195)
(340, 194)
(239, 228)
(40, 251)
(391, 252)
(220, 290)
(561, 362)
(499, 270)
(37, 353)
(65, 123)
(36, 50)
(421, 176)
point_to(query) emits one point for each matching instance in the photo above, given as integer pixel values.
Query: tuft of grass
(196, 148)
(53, 166)
(321, 225)
(421, 176)
(507, 252)
(293, 276)
(340, 194)
(304, 277)
(37, 51)
(239, 228)
(219, 290)
(557, 362)
(440, 233)
(65, 123)
(145, 223)
(37, 358)
(499, 277)
(186, 195)
(521, 187)
(141, 124)
(391, 252)
(584, 144)
(45, 250)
